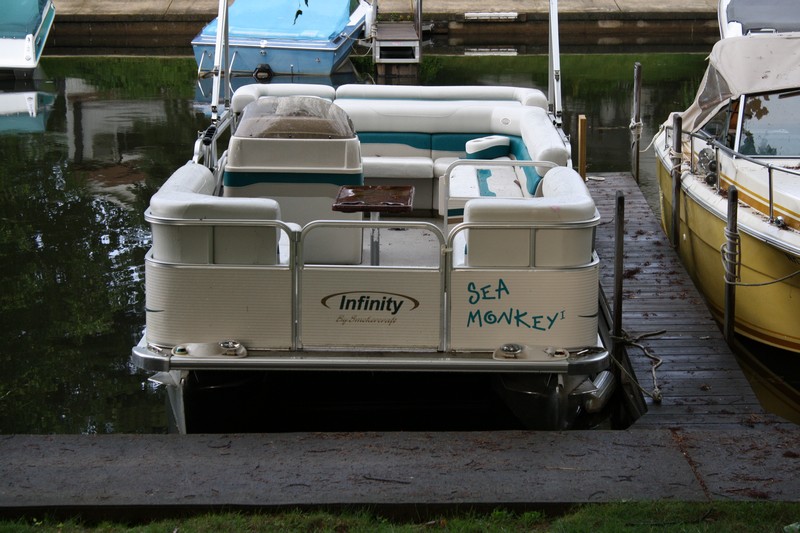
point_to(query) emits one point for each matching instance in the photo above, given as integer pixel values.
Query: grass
(661, 517)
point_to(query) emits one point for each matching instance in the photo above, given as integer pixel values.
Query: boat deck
(701, 383)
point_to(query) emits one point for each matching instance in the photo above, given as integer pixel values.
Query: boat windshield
(299, 117)
(770, 125)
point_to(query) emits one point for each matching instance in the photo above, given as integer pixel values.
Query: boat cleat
(227, 348)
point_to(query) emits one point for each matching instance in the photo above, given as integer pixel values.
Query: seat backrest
(188, 196)
(565, 199)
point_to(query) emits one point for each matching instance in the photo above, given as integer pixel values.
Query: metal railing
(731, 154)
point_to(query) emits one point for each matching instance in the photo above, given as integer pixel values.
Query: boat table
(374, 199)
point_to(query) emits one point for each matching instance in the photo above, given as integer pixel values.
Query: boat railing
(296, 281)
(707, 141)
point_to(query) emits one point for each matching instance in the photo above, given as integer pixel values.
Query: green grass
(661, 517)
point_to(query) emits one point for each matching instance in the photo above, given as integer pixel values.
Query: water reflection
(73, 193)
(73, 242)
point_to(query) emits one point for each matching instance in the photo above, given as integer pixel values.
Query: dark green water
(77, 177)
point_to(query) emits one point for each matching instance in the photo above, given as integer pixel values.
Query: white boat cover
(284, 19)
(750, 64)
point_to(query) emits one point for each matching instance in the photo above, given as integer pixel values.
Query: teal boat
(24, 27)
(284, 37)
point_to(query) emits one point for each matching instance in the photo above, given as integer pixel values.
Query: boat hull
(765, 313)
(264, 38)
(283, 57)
(19, 51)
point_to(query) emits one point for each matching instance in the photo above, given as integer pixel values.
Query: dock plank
(700, 380)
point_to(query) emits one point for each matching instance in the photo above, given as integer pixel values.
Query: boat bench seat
(189, 195)
(563, 197)
(414, 144)
(409, 135)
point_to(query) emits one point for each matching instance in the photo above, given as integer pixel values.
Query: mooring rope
(732, 263)
(731, 255)
(655, 394)
(636, 128)
(652, 141)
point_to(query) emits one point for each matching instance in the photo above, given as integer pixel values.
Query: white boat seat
(188, 195)
(397, 167)
(565, 198)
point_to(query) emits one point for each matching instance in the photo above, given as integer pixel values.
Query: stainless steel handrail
(733, 154)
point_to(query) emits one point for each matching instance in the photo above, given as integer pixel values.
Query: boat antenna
(220, 58)
(554, 79)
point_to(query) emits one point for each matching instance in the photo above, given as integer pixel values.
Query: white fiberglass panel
(536, 308)
(212, 304)
(376, 308)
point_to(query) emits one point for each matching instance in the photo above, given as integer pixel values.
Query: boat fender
(208, 135)
(604, 387)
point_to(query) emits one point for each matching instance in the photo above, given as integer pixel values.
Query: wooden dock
(701, 383)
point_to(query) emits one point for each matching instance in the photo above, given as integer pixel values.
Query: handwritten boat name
(489, 315)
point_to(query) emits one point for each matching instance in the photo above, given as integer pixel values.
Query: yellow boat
(742, 130)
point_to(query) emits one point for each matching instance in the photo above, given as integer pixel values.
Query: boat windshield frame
(736, 125)
(757, 127)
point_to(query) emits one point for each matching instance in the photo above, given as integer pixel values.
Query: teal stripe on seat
(483, 175)
(492, 152)
(520, 152)
(242, 179)
(453, 142)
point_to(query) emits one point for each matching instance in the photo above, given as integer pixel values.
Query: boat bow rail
(720, 167)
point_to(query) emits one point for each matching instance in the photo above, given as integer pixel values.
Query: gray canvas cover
(744, 65)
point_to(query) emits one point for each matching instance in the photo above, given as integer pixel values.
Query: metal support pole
(619, 248)
(636, 119)
(677, 146)
(731, 261)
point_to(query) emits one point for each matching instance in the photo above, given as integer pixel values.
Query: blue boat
(24, 27)
(279, 37)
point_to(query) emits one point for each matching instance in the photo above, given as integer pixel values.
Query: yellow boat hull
(768, 313)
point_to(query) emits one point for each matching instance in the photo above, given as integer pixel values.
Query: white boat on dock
(24, 27)
(477, 254)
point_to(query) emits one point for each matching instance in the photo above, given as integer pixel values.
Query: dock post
(582, 146)
(677, 146)
(636, 119)
(730, 257)
(619, 246)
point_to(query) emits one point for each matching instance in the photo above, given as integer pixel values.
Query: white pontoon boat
(383, 228)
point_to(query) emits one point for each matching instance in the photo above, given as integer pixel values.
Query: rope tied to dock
(730, 253)
(636, 128)
(629, 340)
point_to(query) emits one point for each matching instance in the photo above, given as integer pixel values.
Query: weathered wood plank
(699, 377)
